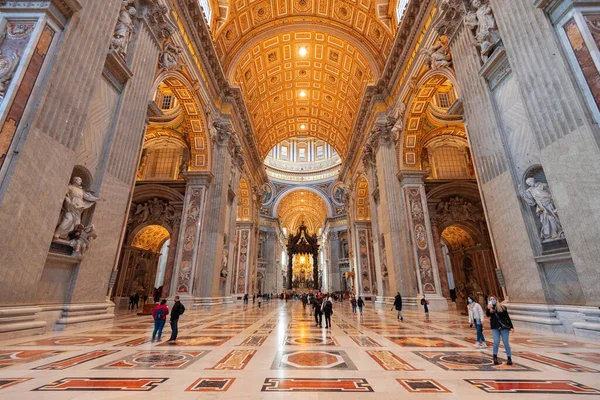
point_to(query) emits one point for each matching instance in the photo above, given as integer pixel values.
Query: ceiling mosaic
(302, 206)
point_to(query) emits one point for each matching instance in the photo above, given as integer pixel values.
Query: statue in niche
(124, 30)
(76, 201)
(480, 19)
(538, 195)
(169, 57)
(438, 55)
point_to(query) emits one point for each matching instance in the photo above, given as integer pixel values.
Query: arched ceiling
(302, 206)
(303, 65)
(151, 238)
(456, 237)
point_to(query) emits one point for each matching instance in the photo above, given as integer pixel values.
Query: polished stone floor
(276, 352)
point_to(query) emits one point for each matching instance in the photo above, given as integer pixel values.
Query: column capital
(414, 177)
(197, 178)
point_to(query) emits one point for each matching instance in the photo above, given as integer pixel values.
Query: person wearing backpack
(159, 314)
(501, 327)
(398, 306)
(318, 312)
(353, 303)
(328, 311)
(176, 312)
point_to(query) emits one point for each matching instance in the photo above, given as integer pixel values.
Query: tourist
(353, 303)
(260, 299)
(159, 314)
(253, 298)
(501, 327)
(398, 306)
(425, 304)
(131, 302)
(360, 303)
(176, 312)
(328, 310)
(476, 317)
(317, 310)
(246, 298)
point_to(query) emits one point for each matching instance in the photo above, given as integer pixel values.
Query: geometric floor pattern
(243, 352)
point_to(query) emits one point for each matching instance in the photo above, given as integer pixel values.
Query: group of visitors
(360, 303)
(260, 298)
(160, 312)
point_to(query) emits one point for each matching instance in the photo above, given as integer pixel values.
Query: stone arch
(423, 118)
(193, 126)
(283, 193)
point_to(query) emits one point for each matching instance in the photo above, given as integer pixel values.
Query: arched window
(448, 158)
(162, 160)
(205, 6)
(400, 9)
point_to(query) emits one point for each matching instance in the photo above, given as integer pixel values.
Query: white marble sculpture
(76, 201)
(82, 239)
(438, 55)
(124, 30)
(169, 58)
(480, 19)
(8, 66)
(538, 195)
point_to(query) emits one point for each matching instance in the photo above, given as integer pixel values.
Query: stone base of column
(76, 316)
(211, 301)
(21, 321)
(384, 300)
(578, 320)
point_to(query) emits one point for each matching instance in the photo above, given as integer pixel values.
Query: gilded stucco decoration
(244, 208)
(150, 238)
(302, 206)
(457, 238)
(427, 117)
(316, 94)
(191, 123)
(363, 208)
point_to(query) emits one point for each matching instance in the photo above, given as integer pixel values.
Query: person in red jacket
(159, 314)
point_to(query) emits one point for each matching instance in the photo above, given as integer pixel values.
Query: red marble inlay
(422, 386)
(553, 362)
(103, 384)
(211, 385)
(531, 386)
(10, 358)
(316, 385)
(77, 360)
(7, 382)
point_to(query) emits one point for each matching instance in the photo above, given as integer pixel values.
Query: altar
(303, 260)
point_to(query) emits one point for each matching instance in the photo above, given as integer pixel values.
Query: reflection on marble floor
(244, 352)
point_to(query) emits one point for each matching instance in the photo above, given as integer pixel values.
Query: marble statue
(169, 57)
(8, 66)
(82, 238)
(124, 30)
(398, 120)
(480, 19)
(76, 201)
(538, 195)
(438, 55)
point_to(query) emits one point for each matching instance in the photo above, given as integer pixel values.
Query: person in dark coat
(360, 303)
(501, 326)
(177, 311)
(328, 310)
(398, 306)
(425, 304)
(353, 303)
(317, 304)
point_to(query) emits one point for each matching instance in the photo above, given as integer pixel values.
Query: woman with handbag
(501, 327)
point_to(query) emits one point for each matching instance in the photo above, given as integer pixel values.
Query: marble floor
(276, 352)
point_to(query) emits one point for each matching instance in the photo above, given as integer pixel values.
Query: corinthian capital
(384, 132)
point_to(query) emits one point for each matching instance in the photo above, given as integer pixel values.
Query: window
(205, 6)
(401, 8)
(449, 162)
(444, 100)
(163, 163)
(302, 153)
(166, 102)
(320, 151)
(284, 151)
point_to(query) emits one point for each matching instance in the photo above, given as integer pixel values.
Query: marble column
(172, 256)
(334, 257)
(439, 257)
(242, 266)
(191, 232)
(391, 212)
(225, 152)
(425, 265)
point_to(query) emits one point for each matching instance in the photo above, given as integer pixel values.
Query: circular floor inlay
(466, 360)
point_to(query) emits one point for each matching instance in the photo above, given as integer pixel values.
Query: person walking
(246, 298)
(398, 306)
(176, 312)
(425, 304)
(159, 314)
(476, 317)
(353, 303)
(501, 327)
(360, 303)
(259, 299)
(317, 304)
(136, 300)
(328, 310)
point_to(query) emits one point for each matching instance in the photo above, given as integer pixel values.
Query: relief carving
(154, 210)
(458, 209)
(170, 57)
(438, 55)
(8, 66)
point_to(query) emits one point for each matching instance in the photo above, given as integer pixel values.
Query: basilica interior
(220, 151)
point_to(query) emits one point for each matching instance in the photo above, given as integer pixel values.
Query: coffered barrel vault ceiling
(302, 206)
(303, 65)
